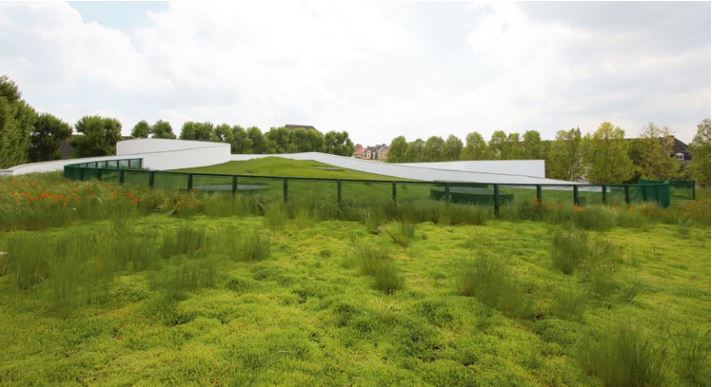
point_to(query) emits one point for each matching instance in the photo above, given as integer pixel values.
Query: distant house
(680, 150)
(376, 152)
(359, 151)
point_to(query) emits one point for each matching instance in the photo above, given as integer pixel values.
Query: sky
(376, 70)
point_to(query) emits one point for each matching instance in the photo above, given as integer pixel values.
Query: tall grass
(624, 357)
(401, 232)
(492, 282)
(568, 249)
(28, 257)
(692, 354)
(276, 216)
(254, 247)
(377, 262)
(187, 240)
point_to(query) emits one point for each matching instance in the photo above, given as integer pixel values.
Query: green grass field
(113, 284)
(277, 166)
(310, 313)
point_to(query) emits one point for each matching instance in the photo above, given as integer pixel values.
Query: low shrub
(624, 356)
(631, 218)
(451, 213)
(401, 232)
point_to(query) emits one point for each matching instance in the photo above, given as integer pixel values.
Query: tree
(433, 149)
(162, 129)
(655, 160)
(241, 143)
(16, 120)
(100, 136)
(48, 132)
(278, 140)
(305, 140)
(338, 143)
(513, 147)
(475, 147)
(223, 133)
(498, 145)
(397, 150)
(414, 152)
(198, 131)
(141, 130)
(259, 143)
(531, 146)
(700, 152)
(606, 155)
(452, 148)
(564, 157)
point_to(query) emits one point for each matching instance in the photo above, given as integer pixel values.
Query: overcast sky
(377, 70)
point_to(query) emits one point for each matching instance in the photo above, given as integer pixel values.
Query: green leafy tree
(452, 148)
(654, 158)
(606, 155)
(498, 145)
(162, 129)
(513, 147)
(305, 140)
(99, 136)
(16, 121)
(48, 132)
(223, 133)
(414, 152)
(141, 130)
(397, 150)
(531, 146)
(259, 142)
(278, 140)
(433, 149)
(198, 131)
(241, 143)
(700, 152)
(338, 143)
(475, 147)
(565, 160)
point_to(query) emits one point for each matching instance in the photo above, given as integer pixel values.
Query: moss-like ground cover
(193, 303)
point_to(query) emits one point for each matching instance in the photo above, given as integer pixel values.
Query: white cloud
(377, 70)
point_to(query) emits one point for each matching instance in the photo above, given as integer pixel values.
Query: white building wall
(162, 154)
(534, 168)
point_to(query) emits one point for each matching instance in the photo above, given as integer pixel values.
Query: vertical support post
(604, 194)
(122, 176)
(190, 182)
(152, 179)
(447, 192)
(98, 174)
(338, 192)
(576, 196)
(538, 193)
(626, 189)
(693, 190)
(285, 189)
(81, 175)
(394, 193)
(234, 186)
(496, 200)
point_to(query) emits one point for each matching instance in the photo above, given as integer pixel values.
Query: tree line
(604, 156)
(28, 136)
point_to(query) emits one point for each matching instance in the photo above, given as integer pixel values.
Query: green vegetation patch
(277, 166)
